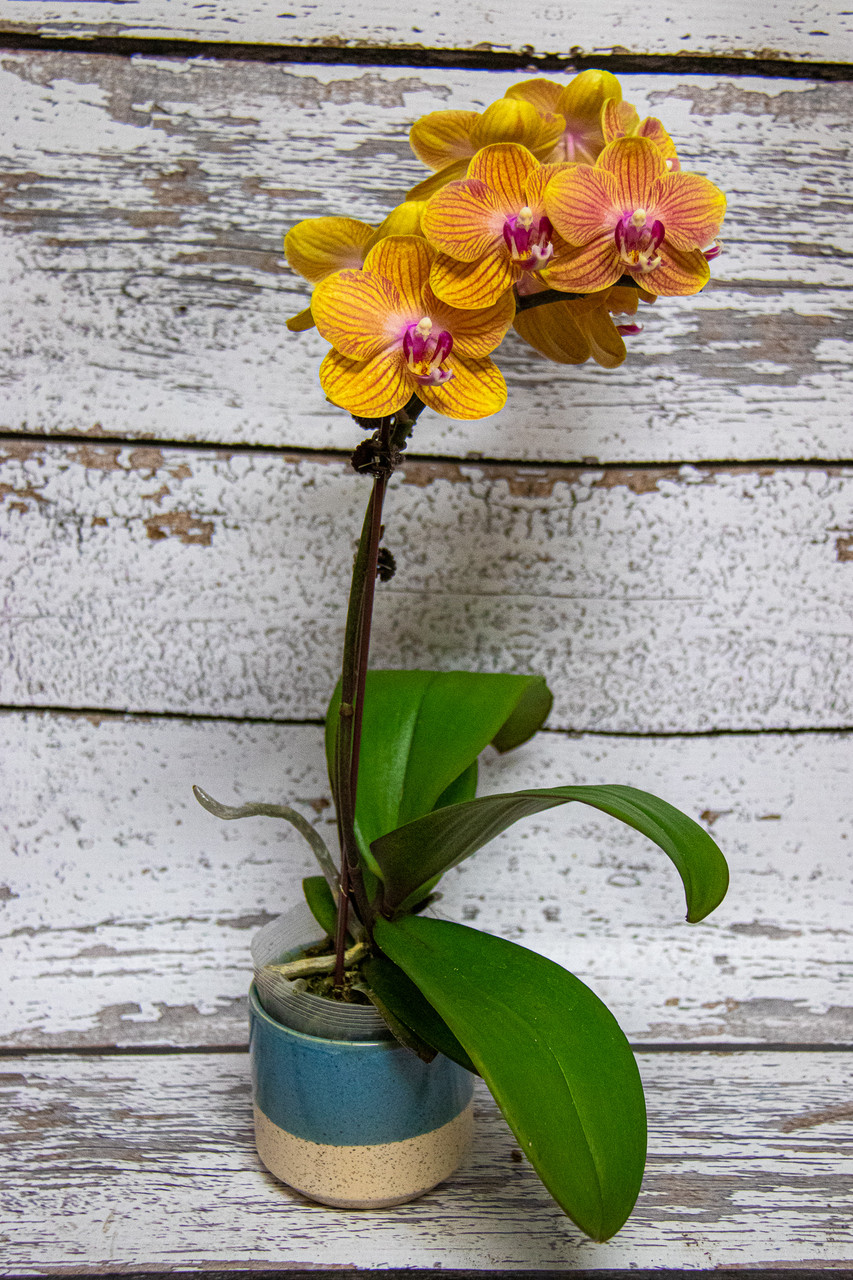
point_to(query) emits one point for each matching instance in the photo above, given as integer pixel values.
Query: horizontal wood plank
(671, 600)
(143, 204)
(147, 1163)
(126, 912)
(796, 30)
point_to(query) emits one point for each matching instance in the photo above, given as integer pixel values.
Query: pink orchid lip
(528, 239)
(426, 351)
(713, 251)
(638, 240)
(628, 330)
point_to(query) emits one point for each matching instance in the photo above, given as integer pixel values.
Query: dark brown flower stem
(545, 296)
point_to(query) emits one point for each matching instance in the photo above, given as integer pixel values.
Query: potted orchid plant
(551, 212)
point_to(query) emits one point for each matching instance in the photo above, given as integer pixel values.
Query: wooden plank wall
(671, 543)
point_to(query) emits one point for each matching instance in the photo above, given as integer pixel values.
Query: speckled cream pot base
(365, 1177)
(355, 1124)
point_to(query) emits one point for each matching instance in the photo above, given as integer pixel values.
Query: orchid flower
(318, 247)
(630, 215)
(448, 140)
(571, 332)
(580, 103)
(492, 229)
(392, 338)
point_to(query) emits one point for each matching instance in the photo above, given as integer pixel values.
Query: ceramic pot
(343, 1113)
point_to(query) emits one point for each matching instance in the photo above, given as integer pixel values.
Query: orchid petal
(586, 268)
(652, 129)
(552, 330)
(541, 94)
(505, 169)
(581, 203)
(515, 121)
(618, 119)
(463, 220)
(476, 390)
(301, 321)
(679, 274)
(635, 163)
(606, 343)
(317, 247)
(475, 333)
(443, 136)
(472, 285)
(359, 312)
(428, 187)
(405, 220)
(367, 388)
(406, 262)
(690, 207)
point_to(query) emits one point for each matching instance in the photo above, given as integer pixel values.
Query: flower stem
(383, 454)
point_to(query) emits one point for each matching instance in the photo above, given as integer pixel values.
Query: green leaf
(552, 1054)
(410, 857)
(319, 897)
(421, 733)
(400, 995)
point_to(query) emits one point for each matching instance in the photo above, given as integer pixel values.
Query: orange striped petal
(443, 136)
(505, 169)
(512, 120)
(359, 312)
(405, 220)
(652, 129)
(552, 330)
(680, 273)
(301, 321)
(690, 207)
(475, 333)
(586, 268)
(581, 203)
(435, 181)
(406, 262)
(367, 388)
(617, 119)
(542, 94)
(534, 188)
(317, 247)
(476, 390)
(463, 220)
(635, 164)
(472, 285)
(605, 341)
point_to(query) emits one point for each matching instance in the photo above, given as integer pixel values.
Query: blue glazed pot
(354, 1123)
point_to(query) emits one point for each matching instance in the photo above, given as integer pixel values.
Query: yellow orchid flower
(630, 215)
(570, 332)
(492, 229)
(448, 140)
(392, 338)
(580, 103)
(318, 247)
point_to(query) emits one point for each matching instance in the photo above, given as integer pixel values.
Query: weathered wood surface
(126, 912)
(796, 29)
(654, 601)
(143, 204)
(148, 1163)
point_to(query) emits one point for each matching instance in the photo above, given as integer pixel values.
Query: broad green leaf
(552, 1054)
(400, 995)
(421, 733)
(319, 897)
(414, 854)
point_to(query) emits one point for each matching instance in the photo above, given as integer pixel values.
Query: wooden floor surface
(670, 543)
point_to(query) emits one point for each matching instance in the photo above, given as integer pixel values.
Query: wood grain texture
(148, 1163)
(142, 207)
(126, 912)
(798, 30)
(209, 582)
